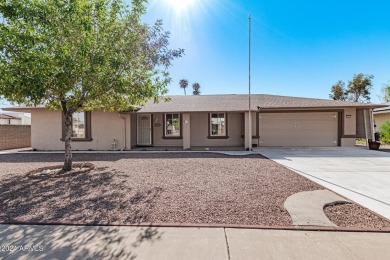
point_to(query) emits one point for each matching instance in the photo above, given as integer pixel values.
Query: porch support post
(247, 132)
(128, 132)
(372, 128)
(186, 131)
(365, 112)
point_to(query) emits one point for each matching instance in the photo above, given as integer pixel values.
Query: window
(172, 125)
(81, 124)
(78, 123)
(218, 125)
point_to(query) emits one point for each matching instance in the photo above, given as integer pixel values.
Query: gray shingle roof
(231, 103)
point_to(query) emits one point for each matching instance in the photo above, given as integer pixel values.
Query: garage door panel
(298, 129)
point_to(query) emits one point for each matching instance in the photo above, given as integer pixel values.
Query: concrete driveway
(359, 174)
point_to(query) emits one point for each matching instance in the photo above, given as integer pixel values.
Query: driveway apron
(359, 174)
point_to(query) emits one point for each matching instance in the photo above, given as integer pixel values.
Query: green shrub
(360, 141)
(385, 133)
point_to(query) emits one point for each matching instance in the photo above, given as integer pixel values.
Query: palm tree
(196, 88)
(184, 84)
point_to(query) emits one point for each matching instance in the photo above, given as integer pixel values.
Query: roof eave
(22, 109)
(384, 111)
(255, 110)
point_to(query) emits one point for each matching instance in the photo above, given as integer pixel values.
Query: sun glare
(183, 16)
(180, 5)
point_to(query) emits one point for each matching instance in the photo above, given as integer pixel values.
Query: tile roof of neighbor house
(23, 108)
(385, 109)
(231, 103)
(4, 116)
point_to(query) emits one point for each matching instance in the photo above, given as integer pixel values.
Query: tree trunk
(68, 140)
(185, 92)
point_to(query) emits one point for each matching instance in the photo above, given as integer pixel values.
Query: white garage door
(298, 129)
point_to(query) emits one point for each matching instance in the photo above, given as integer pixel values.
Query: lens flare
(180, 5)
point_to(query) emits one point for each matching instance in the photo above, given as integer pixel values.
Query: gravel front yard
(157, 187)
(343, 215)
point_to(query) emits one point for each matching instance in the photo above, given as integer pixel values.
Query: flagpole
(249, 96)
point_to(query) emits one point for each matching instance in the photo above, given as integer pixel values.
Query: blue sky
(299, 48)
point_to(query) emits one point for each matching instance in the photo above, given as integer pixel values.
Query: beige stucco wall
(158, 132)
(186, 131)
(348, 142)
(196, 129)
(46, 131)
(349, 127)
(381, 119)
(350, 122)
(200, 131)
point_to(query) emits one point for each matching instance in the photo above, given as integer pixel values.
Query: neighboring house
(12, 118)
(209, 121)
(14, 130)
(381, 115)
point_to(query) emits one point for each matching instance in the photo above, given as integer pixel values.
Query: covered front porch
(193, 148)
(198, 131)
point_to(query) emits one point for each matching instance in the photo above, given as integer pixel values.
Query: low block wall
(15, 136)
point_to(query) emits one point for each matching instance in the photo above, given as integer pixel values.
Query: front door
(144, 130)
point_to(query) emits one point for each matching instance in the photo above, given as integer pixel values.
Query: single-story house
(11, 118)
(209, 121)
(381, 115)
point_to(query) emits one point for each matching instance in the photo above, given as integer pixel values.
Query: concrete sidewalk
(85, 242)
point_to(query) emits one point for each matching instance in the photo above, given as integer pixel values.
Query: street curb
(194, 225)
